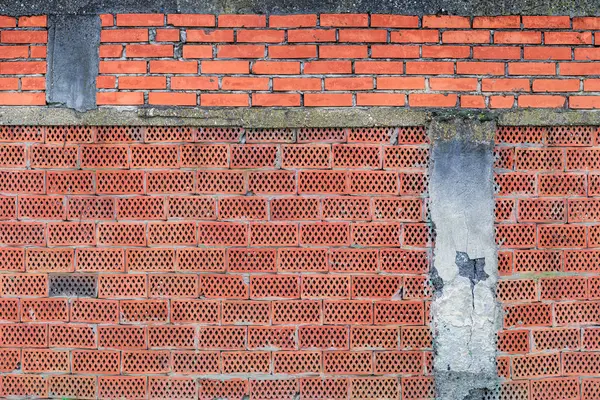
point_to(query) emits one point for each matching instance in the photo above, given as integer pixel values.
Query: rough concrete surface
(459, 7)
(464, 310)
(73, 61)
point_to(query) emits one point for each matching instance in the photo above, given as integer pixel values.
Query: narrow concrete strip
(464, 309)
(73, 42)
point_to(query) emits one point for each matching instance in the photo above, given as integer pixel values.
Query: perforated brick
(371, 337)
(294, 208)
(221, 338)
(72, 285)
(65, 386)
(377, 135)
(318, 388)
(265, 338)
(122, 337)
(295, 156)
(176, 182)
(230, 388)
(94, 208)
(169, 133)
(115, 134)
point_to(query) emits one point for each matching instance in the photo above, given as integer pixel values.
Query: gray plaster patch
(464, 311)
(73, 285)
(73, 42)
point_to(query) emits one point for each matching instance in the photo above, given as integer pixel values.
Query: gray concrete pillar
(464, 309)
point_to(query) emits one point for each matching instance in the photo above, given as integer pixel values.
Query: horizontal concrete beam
(284, 117)
(407, 7)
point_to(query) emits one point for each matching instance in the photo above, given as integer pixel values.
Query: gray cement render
(464, 308)
(405, 7)
(72, 61)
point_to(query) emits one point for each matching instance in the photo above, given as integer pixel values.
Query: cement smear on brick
(464, 310)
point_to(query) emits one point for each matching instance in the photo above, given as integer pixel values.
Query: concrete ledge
(285, 117)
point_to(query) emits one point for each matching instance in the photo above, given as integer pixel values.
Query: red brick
(124, 35)
(578, 68)
(260, 36)
(122, 67)
(142, 82)
(362, 35)
(24, 37)
(446, 52)
(348, 84)
(205, 35)
(431, 100)
(394, 51)
(276, 67)
(343, 51)
(505, 85)
(530, 68)
(466, 37)
(22, 99)
(225, 67)
(114, 51)
(216, 100)
(293, 21)
(7, 22)
(402, 83)
(240, 83)
(311, 35)
(293, 51)
(497, 53)
(415, 36)
(327, 100)
(427, 68)
(296, 84)
(194, 82)
(394, 21)
(173, 99)
(479, 68)
(587, 54)
(502, 101)
(544, 22)
(380, 99)
(140, 19)
(173, 67)
(556, 85)
(378, 67)
(9, 83)
(582, 23)
(201, 51)
(445, 21)
(467, 101)
(328, 67)
(275, 100)
(498, 22)
(14, 52)
(568, 38)
(242, 21)
(343, 20)
(107, 20)
(507, 37)
(191, 20)
(583, 102)
(539, 101)
(116, 98)
(22, 67)
(453, 84)
(547, 53)
(240, 51)
(35, 21)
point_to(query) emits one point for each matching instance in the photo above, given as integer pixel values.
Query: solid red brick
(293, 51)
(556, 85)
(479, 68)
(505, 85)
(14, 52)
(311, 35)
(547, 53)
(466, 37)
(446, 51)
(467, 101)
(7, 22)
(116, 98)
(241, 51)
(497, 53)
(142, 82)
(453, 84)
(546, 22)
(530, 68)
(114, 51)
(24, 36)
(582, 23)
(540, 101)
(194, 82)
(502, 101)
(173, 67)
(240, 83)
(260, 36)
(568, 38)
(516, 37)
(216, 100)
(191, 20)
(9, 83)
(431, 100)
(173, 99)
(22, 67)
(276, 67)
(394, 21)
(584, 102)
(406, 83)
(328, 67)
(242, 21)
(296, 84)
(380, 99)
(590, 68)
(394, 51)
(445, 21)
(225, 67)
(362, 35)
(415, 36)
(497, 22)
(429, 67)
(343, 20)
(124, 35)
(328, 100)
(140, 19)
(122, 67)
(292, 21)
(22, 99)
(343, 51)
(348, 84)
(206, 35)
(275, 100)
(587, 54)
(34, 21)
(201, 51)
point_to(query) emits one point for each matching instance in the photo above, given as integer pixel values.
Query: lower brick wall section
(214, 263)
(546, 211)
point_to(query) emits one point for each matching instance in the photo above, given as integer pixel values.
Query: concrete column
(464, 309)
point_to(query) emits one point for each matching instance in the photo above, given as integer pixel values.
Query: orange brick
(276, 67)
(558, 22)
(401, 83)
(453, 84)
(348, 84)
(311, 35)
(415, 36)
(343, 51)
(380, 99)
(242, 21)
(172, 99)
(225, 67)
(293, 51)
(191, 20)
(328, 100)
(22, 99)
(432, 100)
(200, 51)
(445, 21)
(394, 21)
(123, 98)
(194, 82)
(142, 82)
(215, 100)
(293, 21)
(343, 20)
(240, 51)
(35, 21)
(205, 35)
(275, 100)
(124, 35)
(260, 36)
(507, 37)
(556, 85)
(539, 101)
(498, 22)
(466, 37)
(140, 19)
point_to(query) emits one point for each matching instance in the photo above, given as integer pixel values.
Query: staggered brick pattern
(349, 60)
(23, 60)
(175, 262)
(547, 211)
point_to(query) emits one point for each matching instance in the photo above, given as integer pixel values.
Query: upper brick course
(348, 60)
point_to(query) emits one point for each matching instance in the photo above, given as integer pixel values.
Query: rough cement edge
(407, 7)
(286, 117)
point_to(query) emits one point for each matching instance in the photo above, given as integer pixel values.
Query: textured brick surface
(546, 213)
(218, 264)
(23, 60)
(348, 60)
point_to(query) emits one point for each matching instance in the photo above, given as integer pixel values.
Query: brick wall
(217, 262)
(548, 180)
(349, 60)
(23, 60)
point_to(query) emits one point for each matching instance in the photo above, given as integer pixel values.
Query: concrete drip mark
(472, 268)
